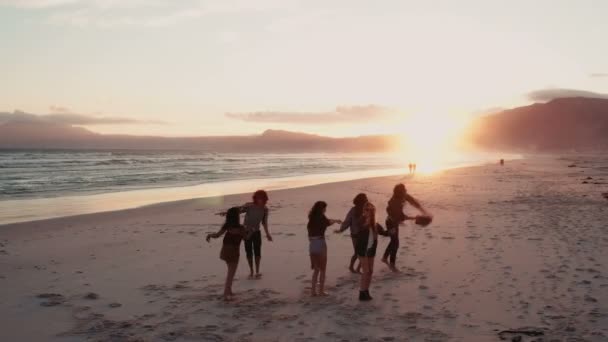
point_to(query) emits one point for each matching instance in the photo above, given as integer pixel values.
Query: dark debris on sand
(51, 299)
(91, 295)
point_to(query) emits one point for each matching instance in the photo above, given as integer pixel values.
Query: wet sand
(519, 247)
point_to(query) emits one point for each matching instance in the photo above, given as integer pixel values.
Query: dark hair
(359, 201)
(316, 212)
(260, 194)
(399, 192)
(233, 217)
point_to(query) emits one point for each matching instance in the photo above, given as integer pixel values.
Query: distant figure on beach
(414, 167)
(317, 224)
(410, 166)
(233, 233)
(256, 214)
(395, 217)
(367, 243)
(502, 162)
(354, 221)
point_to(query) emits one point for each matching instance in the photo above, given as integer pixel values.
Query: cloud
(37, 4)
(68, 118)
(544, 95)
(342, 114)
(103, 4)
(598, 74)
(140, 13)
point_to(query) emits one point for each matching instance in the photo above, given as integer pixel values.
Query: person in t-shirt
(395, 217)
(233, 233)
(353, 222)
(367, 243)
(317, 224)
(256, 214)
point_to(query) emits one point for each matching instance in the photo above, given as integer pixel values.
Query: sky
(337, 68)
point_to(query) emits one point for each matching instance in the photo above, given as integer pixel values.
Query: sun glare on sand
(431, 141)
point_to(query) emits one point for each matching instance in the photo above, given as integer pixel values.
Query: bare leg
(353, 260)
(250, 262)
(370, 271)
(229, 278)
(314, 259)
(322, 267)
(364, 266)
(257, 265)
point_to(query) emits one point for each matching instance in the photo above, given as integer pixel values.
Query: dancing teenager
(396, 216)
(256, 214)
(317, 224)
(353, 222)
(367, 242)
(233, 233)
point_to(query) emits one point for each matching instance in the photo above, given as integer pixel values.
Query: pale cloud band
(341, 115)
(67, 118)
(544, 95)
(140, 13)
(599, 75)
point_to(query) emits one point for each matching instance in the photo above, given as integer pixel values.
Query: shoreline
(76, 205)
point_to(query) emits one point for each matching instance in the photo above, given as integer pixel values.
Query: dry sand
(519, 246)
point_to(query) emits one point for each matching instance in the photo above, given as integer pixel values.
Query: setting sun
(431, 140)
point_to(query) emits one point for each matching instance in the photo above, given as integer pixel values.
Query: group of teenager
(360, 220)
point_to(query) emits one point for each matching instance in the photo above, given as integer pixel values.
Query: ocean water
(45, 184)
(35, 174)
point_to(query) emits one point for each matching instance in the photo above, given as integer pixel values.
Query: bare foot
(228, 298)
(393, 268)
(258, 275)
(323, 294)
(385, 261)
(313, 294)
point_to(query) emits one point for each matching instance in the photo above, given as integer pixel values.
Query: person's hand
(269, 237)
(221, 213)
(208, 238)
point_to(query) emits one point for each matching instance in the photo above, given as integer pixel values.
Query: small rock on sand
(91, 295)
(53, 299)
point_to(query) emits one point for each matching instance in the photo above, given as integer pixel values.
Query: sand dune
(514, 252)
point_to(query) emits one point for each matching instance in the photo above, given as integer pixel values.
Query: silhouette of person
(395, 217)
(502, 162)
(414, 167)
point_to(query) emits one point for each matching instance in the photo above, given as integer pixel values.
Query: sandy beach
(516, 247)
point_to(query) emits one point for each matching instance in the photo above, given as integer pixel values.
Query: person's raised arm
(348, 220)
(242, 209)
(416, 204)
(265, 224)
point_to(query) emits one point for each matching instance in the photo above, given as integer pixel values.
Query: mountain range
(35, 135)
(561, 124)
(576, 123)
